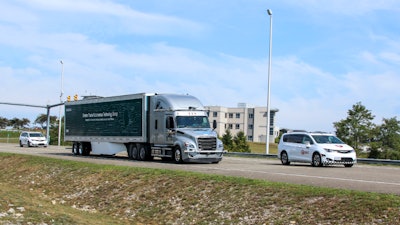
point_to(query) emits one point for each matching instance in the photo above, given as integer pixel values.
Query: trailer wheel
(75, 148)
(86, 148)
(133, 151)
(177, 155)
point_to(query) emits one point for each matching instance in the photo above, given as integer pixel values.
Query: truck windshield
(192, 122)
(327, 139)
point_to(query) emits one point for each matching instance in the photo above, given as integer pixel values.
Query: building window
(225, 115)
(230, 115)
(251, 116)
(237, 115)
(250, 126)
(237, 126)
(230, 126)
(250, 138)
(215, 114)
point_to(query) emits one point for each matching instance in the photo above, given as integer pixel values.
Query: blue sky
(326, 55)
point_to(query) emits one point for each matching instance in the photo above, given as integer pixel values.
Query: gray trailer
(145, 125)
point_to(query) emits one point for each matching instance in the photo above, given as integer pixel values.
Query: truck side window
(169, 123)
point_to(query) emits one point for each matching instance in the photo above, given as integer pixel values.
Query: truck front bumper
(204, 156)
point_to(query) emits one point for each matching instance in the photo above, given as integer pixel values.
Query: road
(381, 179)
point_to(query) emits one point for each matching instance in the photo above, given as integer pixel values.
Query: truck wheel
(177, 155)
(133, 151)
(142, 153)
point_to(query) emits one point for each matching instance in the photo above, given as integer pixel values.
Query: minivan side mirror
(307, 143)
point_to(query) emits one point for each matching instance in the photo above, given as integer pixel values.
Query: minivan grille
(209, 143)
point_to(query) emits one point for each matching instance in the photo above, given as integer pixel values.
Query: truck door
(169, 129)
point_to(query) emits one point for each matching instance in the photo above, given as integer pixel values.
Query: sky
(326, 55)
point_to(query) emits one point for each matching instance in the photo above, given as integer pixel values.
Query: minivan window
(36, 135)
(327, 139)
(307, 138)
(293, 138)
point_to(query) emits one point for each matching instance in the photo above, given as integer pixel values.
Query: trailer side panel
(100, 120)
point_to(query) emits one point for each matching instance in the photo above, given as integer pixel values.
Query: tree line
(380, 141)
(17, 123)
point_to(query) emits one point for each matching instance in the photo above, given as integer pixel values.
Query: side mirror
(214, 124)
(307, 143)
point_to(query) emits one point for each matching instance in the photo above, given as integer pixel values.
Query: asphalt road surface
(382, 179)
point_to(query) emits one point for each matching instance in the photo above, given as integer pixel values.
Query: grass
(259, 148)
(38, 190)
(9, 136)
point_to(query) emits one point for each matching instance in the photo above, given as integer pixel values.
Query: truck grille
(207, 144)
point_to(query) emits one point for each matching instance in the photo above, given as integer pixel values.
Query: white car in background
(319, 149)
(31, 139)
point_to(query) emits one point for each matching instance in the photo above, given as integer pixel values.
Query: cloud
(344, 7)
(113, 15)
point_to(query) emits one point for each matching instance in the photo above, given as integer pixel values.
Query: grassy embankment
(40, 190)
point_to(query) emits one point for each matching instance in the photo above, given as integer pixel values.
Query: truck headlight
(189, 145)
(220, 145)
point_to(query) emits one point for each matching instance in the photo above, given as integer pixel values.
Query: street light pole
(61, 100)
(269, 84)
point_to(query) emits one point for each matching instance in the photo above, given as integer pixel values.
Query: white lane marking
(302, 175)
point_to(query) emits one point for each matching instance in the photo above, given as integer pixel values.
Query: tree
(240, 143)
(389, 133)
(356, 128)
(42, 120)
(388, 139)
(227, 140)
(18, 123)
(3, 122)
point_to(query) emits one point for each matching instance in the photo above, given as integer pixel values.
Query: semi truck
(145, 125)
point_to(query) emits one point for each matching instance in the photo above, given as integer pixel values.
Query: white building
(251, 120)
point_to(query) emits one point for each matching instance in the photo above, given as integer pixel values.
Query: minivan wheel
(20, 144)
(316, 160)
(284, 158)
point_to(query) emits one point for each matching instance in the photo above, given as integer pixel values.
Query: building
(251, 120)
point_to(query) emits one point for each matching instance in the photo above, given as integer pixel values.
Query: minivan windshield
(35, 135)
(327, 139)
(192, 122)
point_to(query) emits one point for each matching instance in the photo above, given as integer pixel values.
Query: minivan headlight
(328, 150)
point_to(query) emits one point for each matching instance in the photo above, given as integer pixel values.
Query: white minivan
(31, 139)
(316, 148)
